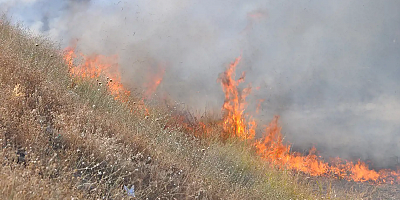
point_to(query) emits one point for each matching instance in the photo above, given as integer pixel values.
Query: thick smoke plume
(330, 69)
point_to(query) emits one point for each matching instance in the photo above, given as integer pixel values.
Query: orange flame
(234, 118)
(97, 66)
(271, 146)
(236, 123)
(154, 81)
(274, 151)
(69, 56)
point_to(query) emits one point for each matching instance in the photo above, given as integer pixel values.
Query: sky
(330, 69)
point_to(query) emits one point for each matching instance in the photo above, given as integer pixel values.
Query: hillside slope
(68, 138)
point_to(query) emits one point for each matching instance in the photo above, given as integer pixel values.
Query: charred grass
(67, 138)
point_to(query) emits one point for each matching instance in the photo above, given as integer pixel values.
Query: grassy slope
(63, 138)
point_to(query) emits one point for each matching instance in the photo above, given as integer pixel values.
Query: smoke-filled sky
(330, 69)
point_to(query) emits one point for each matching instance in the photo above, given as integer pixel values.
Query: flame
(272, 149)
(69, 57)
(154, 81)
(234, 122)
(97, 66)
(271, 146)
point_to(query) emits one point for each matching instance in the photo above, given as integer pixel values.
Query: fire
(154, 81)
(273, 150)
(234, 105)
(98, 67)
(69, 56)
(236, 123)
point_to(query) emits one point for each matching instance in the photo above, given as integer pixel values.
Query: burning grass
(272, 148)
(69, 137)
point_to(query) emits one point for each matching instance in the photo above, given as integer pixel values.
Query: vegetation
(68, 138)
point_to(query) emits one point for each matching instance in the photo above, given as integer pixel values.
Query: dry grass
(64, 138)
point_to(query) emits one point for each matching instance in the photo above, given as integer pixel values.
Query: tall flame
(271, 146)
(236, 123)
(234, 105)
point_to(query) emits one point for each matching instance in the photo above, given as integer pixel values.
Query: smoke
(329, 68)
